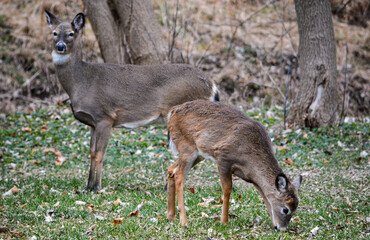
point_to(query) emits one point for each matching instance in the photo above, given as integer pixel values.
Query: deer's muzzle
(61, 47)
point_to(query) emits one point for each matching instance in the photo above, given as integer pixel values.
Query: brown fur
(239, 145)
(108, 95)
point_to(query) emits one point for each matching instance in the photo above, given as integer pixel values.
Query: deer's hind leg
(227, 185)
(171, 192)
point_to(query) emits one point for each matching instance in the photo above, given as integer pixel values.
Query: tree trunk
(130, 25)
(106, 30)
(317, 101)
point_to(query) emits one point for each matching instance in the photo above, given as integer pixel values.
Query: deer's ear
(78, 22)
(281, 183)
(297, 182)
(52, 20)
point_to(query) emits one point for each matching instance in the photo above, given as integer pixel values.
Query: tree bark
(128, 25)
(106, 30)
(317, 101)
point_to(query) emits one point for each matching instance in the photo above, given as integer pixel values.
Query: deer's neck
(68, 68)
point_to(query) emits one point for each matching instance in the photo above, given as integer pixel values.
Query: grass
(334, 194)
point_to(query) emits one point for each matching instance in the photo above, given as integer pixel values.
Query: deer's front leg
(90, 182)
(102, 131)
(171, 192)
(227, 184)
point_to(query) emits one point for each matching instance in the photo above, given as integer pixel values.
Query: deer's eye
(71, 34)
(55, 33)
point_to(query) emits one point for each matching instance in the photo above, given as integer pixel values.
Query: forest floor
(45, 166)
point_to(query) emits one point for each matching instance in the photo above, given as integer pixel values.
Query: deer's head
(283, 202)
(64, 35)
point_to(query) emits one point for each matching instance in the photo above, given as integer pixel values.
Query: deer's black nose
(60, 47)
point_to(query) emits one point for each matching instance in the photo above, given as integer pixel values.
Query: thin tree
(317, 101)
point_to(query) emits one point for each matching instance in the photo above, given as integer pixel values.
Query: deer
(104, 96)
(239, 146)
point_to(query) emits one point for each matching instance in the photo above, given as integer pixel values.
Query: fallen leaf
(91, 207)
(217, 206)
(90, 229)
(159, 217)
(129, 170)
(24, 205)
(282, 148)
(134, 213)
(56, 204)
(191, 189)
(220, 200)
(314, 230)
(99, 217)
(339, 226)
(4, 229)
(45, 187)
(348, 202)
(205, 215)
(334, 208)
(80, 203)
(48, 219)
(60, 157)
(26, 129)
(117, 202)
(288, 161)
(44, 127)
(117, 221)
(240, 196)
(11, 191)
(140, 206)
(17, 233)
(305, 135)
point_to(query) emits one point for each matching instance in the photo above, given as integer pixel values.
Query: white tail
(239, 145)
(108, 95)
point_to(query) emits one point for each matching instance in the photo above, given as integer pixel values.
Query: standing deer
(109, 95)
(238, 145)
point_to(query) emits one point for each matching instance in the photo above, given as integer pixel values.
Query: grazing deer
(238, 145)
(109, 95)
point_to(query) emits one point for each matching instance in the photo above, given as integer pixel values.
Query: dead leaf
(24, 205)
(191, 189)
(335, 208)
(117, 221)
(217, 206)
(205, 215)
(282, 148)
(80, 203)
(305, 135)
(60, 102)
(220, 200)
(4, 229)
(26, 129)
(117, 202)
(288, 161)
(91, 207)
(44, 127)
(240, 196)
(159, 217)
(45, 187)
(339, 226)
(17, 233)
(90, 229)
(56, 204)
(348, 202)
(60, 157)
(129, 170)
(134, 213)
(14, 189)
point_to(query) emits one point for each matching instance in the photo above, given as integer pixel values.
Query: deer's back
(216, 128)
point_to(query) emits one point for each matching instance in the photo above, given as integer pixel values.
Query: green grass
(329, 159)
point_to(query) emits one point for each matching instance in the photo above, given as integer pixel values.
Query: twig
(272, 80)
(174, 33)
(201, 59)
(286, 98)
(345, 87)
(241, 23)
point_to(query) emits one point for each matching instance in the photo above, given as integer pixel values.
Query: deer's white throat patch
(59, 58)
